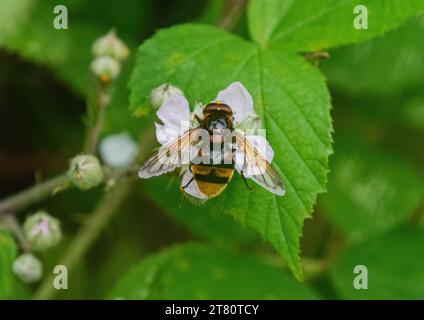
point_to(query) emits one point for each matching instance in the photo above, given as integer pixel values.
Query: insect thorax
(217, 116)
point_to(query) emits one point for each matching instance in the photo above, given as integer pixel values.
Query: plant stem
(314, 268)
(10, 222)
(232, 11)
(102, 100)
(87, 234)
(33, 194)
(38, 192)
(97, 220)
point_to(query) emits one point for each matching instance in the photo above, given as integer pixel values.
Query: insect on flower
(208, 146)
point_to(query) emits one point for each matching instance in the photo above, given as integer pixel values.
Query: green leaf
(31, 34)
(369, 191)
(386, 66)
(412, 111)
(208, 224)
(34, 37)
(207, 273)
(392, 115)
(303, 25)
(395, 266)
(290, 96)
(68, 52)
(12, 12)
(211, 12)
(7, 256)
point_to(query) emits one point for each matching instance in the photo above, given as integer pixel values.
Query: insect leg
(198, 119)
(245, 181)
(190, 181)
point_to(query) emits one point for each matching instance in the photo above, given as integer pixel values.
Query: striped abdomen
(212, 179)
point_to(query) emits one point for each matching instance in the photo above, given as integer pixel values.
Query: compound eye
(217, 124)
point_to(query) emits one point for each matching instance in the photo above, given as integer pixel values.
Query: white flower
(252, 122)
(262, 145)
(118, 150)
(160, 94)
(240, 101)
(177, 119)
(105, 68)
(175, 116)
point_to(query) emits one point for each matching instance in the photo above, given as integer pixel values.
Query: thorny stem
(97, 220)
(40, 191)
(36, 193)
(112, 200)
(10, 222)
(102, 101)
(232, 11)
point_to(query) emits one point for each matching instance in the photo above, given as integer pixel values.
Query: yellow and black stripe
(212, 179)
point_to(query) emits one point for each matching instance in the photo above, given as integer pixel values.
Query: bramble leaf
(369, 191)
(7, 256)
(290, 96)
(68, 52)
(386, 65)
(27, 29)
(207, 224)
(394, 266)
(207, 273)
(303, 25)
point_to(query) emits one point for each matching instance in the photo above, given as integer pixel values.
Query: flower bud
(105, 68)
(27, 268)
(110, 45)
(251, 123)
(160, 94)
(85, 172)
(118, 150)
(42, 231)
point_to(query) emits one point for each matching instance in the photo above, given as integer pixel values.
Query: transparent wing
(251, 164)
(170, 156)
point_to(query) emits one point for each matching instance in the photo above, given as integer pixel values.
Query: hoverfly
(212, 177)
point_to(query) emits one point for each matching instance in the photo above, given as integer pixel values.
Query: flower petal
(252, 122)
(239, 99)
(192, 189)
(259, 174)
(175, 116)
(261, 144)
(165, 135)
(118, 150)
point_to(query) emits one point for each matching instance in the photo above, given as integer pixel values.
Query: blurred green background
(372, 213)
